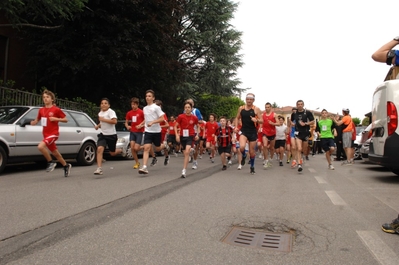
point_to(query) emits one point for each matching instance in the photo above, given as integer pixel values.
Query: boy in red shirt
(50, 115)
(134, 119)
(211, 126)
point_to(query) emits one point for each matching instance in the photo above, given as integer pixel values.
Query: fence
(10, 96)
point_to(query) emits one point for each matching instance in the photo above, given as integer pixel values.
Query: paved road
(126, 218)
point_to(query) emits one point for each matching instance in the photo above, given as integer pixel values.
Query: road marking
(312, 170)
(380, 250)
(335, 198)
(320, 180)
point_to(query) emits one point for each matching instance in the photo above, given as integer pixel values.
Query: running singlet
(267, 128)
(248, 126)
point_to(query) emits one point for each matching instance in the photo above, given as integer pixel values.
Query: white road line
(335, 198)
(380, 250)
(312, 170)
(320, 180)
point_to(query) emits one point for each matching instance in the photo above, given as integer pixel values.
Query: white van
(384, 147)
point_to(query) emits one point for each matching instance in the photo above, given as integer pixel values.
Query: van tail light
(392, 117)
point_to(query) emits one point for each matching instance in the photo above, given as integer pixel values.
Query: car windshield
(8, 115)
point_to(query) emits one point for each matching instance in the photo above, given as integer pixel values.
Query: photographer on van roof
(385, 54)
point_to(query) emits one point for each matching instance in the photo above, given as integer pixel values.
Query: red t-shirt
(211, 128)
(267, 128)
(172, 127)
(135, 117)
(50, 127)
(187, 122)
(164, 129)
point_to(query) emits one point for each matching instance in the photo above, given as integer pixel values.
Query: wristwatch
(390, 55)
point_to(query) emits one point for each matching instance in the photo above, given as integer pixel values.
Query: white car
(19, 140)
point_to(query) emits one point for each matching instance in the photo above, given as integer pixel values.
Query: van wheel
(3, 159)
(87, 154)
(395, 170)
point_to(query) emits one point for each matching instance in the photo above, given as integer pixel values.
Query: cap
(345, 109)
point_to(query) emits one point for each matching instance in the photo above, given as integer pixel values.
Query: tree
(40, 14)
(356, 121)
(366, 121)
(275, 106)
(220, 105)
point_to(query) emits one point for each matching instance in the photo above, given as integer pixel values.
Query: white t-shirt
(107, 128)
(151, 113)
(280, 132)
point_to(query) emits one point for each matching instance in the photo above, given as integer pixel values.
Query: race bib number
(44, 121)
(171, 128)
(185, 133)
(134, 119)
(324, 128)
(296, 133)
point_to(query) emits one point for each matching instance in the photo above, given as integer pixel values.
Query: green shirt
(325, 128)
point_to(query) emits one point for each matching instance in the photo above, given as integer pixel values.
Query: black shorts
(187, 141)
(152, 138)
(172, 139)
(327, 143)
(136, 137)
(279, 143)
(304, 136)
(270, 138)
(251, 136)
(226, 149)
(107, 140)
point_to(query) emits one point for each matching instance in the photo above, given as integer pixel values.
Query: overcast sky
(317, 51)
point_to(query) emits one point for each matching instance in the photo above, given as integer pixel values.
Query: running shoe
(392, 227)
(136, 166)
(166, 162)
(300, 168)
(239, 167)
(195, 165)
(154, 161)
(252, 171)
(293, 164)
(281, 163)
(243, 160)
(51, 166)
(224, 167)
(269, 164)
(143, 170)
(67, 170)
(183, 173)
(331, 167)
(98, 171)
(230, 162)
(212, 160)
(345, 163)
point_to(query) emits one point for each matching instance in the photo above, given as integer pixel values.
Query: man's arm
(381, 54)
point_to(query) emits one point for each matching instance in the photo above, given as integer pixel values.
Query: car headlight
(121, 140)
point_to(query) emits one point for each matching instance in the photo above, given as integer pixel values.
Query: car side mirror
(26, 122)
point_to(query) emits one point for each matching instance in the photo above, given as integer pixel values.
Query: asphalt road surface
(121, 217)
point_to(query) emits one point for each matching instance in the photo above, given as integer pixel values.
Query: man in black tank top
(249, 116)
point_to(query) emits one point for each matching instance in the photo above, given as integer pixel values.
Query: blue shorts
(136, 137)
(327, 143)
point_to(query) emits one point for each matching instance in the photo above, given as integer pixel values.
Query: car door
(28, 137)
(71, 135)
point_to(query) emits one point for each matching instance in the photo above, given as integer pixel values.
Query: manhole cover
(239, 236)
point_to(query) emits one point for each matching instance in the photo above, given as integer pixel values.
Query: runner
(326, 131)
(153, 116)
(133, 121)
(249, 115)
(303, 119)
(196, 146)
(187, 135)
(269, 134)
(211, 126)
(223, 138)
(281, 134)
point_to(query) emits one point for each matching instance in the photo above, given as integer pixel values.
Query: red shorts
(50, 142)
(211, 140)
(260, 135)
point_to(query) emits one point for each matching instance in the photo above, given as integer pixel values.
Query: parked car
(19, 140)
(385, 144)
(364, 149)
(357, 142)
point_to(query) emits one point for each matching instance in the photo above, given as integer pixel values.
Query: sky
(317, 51)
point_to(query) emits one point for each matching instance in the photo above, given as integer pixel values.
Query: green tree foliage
(220, 105)
(366, 121)
(40, 13)
(356, 121)
(120, 48)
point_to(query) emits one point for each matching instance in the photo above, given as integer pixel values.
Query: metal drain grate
(239, 236)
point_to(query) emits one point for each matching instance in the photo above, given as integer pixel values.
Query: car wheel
(87, 154)
(3, 159)
(395, 170)
(357, 155)
(129, 154)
